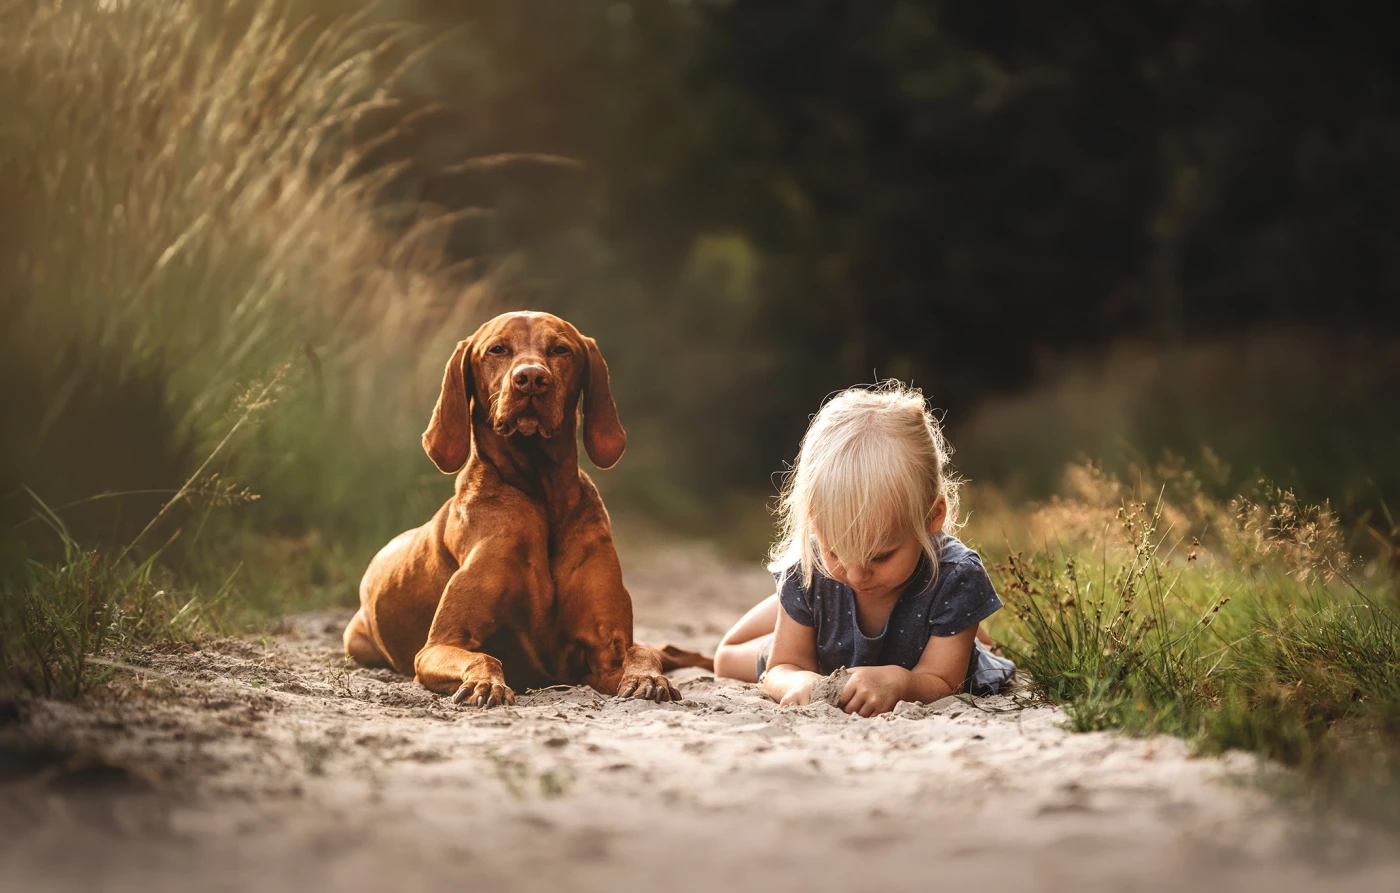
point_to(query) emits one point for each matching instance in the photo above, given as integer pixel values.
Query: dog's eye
(496, 349)
(561, 349)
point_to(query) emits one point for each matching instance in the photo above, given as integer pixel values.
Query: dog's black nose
(531, 379)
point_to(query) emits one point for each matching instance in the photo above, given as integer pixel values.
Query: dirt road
(267, 764)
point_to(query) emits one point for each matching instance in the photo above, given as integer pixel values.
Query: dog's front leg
(595, 616)
(616, 667)
(469, 676)
(450, 663)
(642, 676)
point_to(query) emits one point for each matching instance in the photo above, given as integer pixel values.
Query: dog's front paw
(484, 693)
(648, 687)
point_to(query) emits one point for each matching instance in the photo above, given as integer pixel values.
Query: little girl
(869, 578)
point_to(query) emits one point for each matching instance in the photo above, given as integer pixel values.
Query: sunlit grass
(188, 199)
(1242, 623)
(66, 622)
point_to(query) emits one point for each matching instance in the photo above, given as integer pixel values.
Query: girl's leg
(737, 654)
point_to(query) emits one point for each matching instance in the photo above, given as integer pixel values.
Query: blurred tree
(774, 199)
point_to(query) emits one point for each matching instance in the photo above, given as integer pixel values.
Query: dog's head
(523, 373)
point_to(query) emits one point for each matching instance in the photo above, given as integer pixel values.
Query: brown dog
(518, 568)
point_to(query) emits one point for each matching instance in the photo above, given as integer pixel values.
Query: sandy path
(267, 765)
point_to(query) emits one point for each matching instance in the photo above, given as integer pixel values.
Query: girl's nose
(858, 576)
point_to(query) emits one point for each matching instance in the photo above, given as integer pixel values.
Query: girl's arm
(940, 672)
(792, 664)
(942, 669)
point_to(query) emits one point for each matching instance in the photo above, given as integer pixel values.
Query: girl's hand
(800, 691)
(873, 690)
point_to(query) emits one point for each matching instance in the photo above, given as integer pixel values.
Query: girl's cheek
(905, 569)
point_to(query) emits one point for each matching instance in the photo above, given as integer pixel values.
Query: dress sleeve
(965, 598)
(796, 601)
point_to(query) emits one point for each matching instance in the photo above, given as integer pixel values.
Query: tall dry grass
(195, 237)
(186, 206)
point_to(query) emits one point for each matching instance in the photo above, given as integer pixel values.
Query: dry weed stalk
(1100, 513)
(191, 187)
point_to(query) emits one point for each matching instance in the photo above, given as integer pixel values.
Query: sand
(268, 764)
(828, 689)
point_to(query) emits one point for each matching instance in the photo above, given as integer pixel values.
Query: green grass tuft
(1259, 633)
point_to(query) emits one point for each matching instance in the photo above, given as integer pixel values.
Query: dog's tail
(674, 658)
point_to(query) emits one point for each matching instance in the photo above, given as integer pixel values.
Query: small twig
(111, 494)
(505, 159)
(251, 407)
(971, 701)
(131, 668)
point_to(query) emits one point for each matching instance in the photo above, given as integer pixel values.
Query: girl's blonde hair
(872, 467)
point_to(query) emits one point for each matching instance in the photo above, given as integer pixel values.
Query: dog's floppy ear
(448, 440)
(603, 436)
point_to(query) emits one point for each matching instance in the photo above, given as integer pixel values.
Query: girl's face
(892, 565)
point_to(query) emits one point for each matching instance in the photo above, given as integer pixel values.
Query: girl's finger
(796, 697)
(848, 691)
(854, 704)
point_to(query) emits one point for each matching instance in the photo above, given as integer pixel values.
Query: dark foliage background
(1088, 228)
(777, 199)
